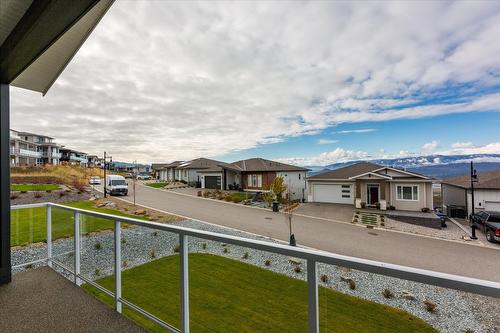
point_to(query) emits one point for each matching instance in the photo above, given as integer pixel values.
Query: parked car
(490, 223)
(128, 175)
(95, 180)
(144, 176)
(116, 185)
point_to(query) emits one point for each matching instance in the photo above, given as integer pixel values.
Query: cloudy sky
(306, 82)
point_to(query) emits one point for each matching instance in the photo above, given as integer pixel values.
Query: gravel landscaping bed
(451, 232)
(140, 245)
(65, 194)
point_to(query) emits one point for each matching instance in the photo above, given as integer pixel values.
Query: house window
(254, 180)
(299, 175)
(407, 192)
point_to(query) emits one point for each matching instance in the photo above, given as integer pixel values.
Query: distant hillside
(438, 166)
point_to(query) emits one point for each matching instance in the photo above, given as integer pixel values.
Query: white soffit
(42, 73)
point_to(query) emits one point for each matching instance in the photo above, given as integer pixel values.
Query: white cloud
(365, 130)
(462, 145)
(177, 80)
(326, 158)
(469, 148)
(430, 146)
(326, 141)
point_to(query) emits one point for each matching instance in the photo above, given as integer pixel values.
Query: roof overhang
(403, 172)
(371, 174)
(39, 38)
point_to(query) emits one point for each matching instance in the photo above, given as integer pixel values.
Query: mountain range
(438, 166)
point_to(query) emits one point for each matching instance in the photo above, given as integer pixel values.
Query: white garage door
(493, 206)
(333, 193)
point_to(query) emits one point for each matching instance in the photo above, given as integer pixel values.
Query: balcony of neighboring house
(83, 268)
(76, 158)
(30, 153)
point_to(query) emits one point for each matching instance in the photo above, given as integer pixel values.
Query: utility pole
(473, 179)
(105, 167)
(135, 177)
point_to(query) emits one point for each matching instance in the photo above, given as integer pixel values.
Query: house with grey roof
(456, 193)
(256, 174)
(372, 185)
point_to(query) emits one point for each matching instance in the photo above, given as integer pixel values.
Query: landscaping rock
(294, 261)
(409, 296)
(140, 212)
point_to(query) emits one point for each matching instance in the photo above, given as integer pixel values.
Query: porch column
(5, 265)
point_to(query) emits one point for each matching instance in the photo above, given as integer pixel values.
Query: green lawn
(34, 187)
(240, 196)
(231, 296)
(29, 225)
(157, 185)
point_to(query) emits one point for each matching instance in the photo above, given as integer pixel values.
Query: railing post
(312, 296)
(183, 252)
(49, 235)
(76, 217)
(118, 267)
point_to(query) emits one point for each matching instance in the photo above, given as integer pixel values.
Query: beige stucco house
(372, 185)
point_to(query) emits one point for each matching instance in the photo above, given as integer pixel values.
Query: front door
(373, 190)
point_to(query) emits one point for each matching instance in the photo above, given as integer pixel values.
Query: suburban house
(73, 157)
(256, 174)
(200, 172)
(371, 185)
(32, 149)
(456, 193)
(166, 171)
(156, 168)
(94, 161)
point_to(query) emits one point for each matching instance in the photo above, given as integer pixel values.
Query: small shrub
(124, 240)
(199, 193)
(204, 246)
(363, 204)
(469, 330)
(425, 210)
(323, 278)
(155, 233)
(152, 253)
(98, 246)
(24, 192)
(430, 307)
(62, 194)
(97, 272)
(297, 269)
(177, 248)
(245, 255)
(48, 191)
(226, 250)
(267, 262)
(14, 196)
(37, 194)
(125, 263)
(387, 293)
(29, 266)
(352, 284)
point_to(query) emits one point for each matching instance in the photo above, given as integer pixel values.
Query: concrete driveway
(342, 238)
(337, 212)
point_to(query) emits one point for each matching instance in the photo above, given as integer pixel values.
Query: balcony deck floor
(41, 300)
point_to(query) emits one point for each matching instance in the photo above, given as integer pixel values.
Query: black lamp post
(473, 179)
(105, 166)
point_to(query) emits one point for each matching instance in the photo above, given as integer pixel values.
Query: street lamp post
(473, 179)
(105, 166)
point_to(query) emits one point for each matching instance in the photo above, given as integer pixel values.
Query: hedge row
(35, 180)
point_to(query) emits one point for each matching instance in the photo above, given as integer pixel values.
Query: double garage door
(493, 206)
(212, 182)
(333, 193)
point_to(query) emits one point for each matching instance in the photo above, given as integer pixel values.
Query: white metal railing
(30, 153)
(77, 158)
(312, 257)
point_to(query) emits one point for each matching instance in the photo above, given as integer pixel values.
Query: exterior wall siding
(296, 181)
(424, 197)
(267, 179)
(480, 197)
